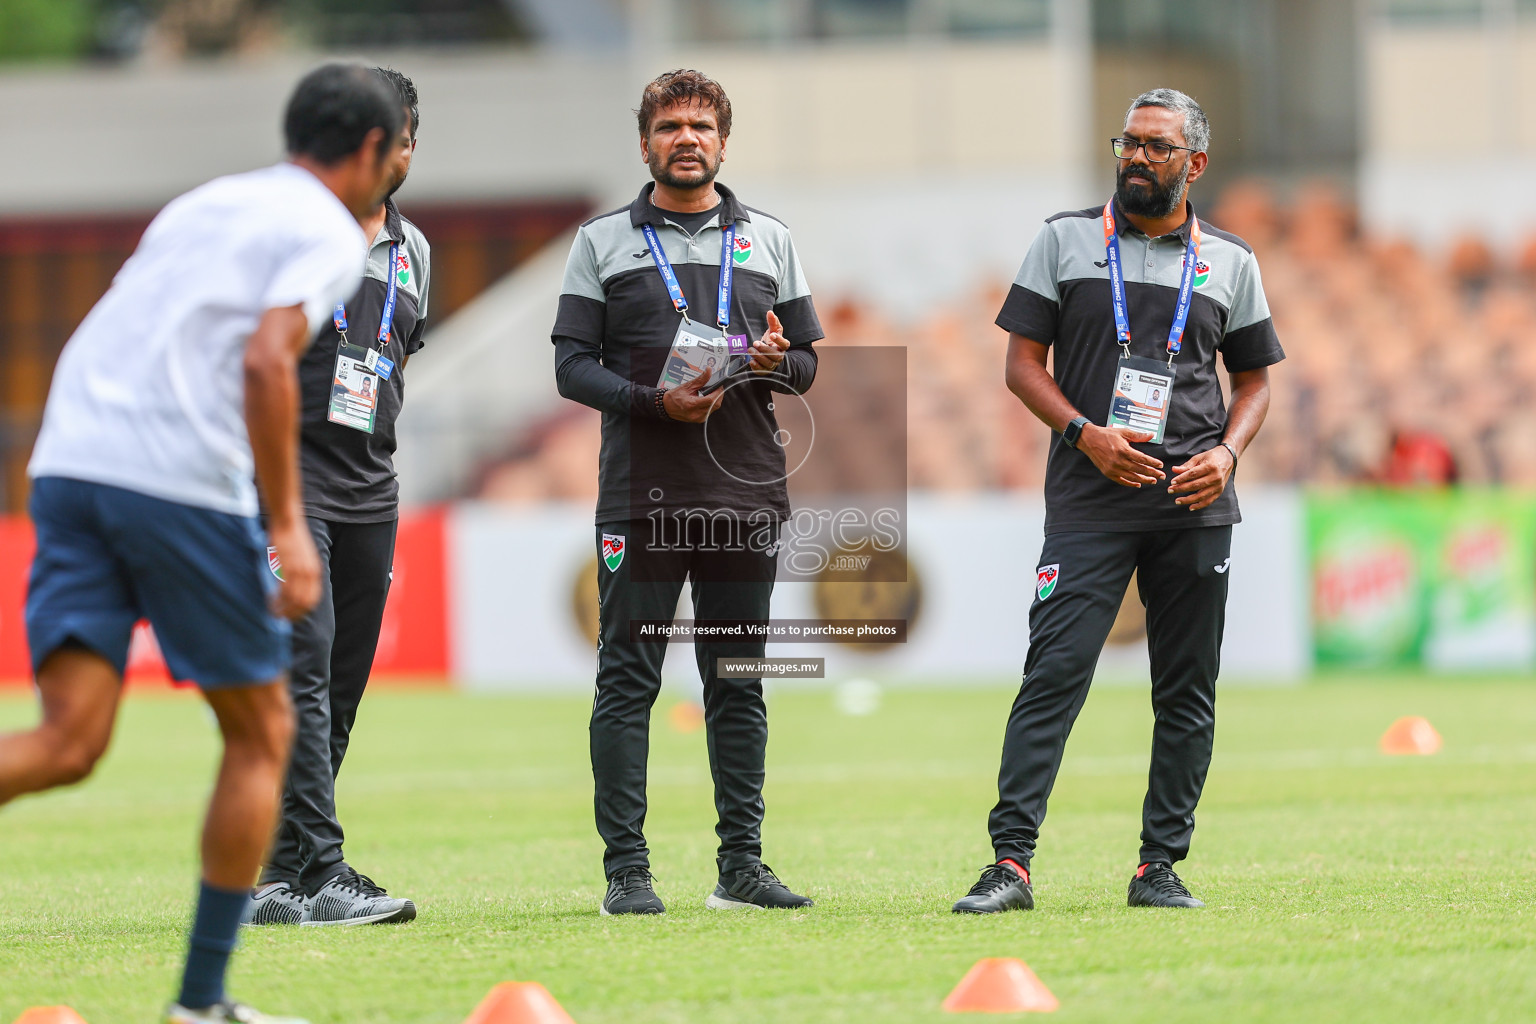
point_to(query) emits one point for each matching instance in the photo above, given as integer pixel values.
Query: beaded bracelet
(661, 404)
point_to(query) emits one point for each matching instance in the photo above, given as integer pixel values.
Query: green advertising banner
(1444, 580)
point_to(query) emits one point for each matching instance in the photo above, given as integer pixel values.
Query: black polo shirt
(1061, 298)
(349, 475)
(616, 325)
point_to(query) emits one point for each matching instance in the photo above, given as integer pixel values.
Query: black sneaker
(1001, 887)
(757, 886)
(1155, 885)
(630, 892)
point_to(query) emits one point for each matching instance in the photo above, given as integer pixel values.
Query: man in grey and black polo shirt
(1138, 298)
(351, 497)
(691, 483)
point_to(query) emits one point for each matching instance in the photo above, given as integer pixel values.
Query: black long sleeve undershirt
(796, 372)
(581, 377)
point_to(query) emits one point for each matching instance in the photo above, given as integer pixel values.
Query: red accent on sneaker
(1142, 870)
(1023, 873)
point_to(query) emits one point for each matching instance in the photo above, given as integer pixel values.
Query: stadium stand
(1405, 369)
(54, 268)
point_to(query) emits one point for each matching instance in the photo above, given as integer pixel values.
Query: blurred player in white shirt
(175, 399)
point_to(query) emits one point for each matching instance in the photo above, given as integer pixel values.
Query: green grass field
(1342, 885)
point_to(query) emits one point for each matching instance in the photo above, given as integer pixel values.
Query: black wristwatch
(1074, 430)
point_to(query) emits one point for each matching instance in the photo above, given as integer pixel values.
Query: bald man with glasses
(1138, 297)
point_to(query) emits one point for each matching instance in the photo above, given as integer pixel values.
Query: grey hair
(1197, 127)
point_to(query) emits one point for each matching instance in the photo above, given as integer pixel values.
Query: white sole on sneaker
(714, 902)
(603, 911)
(369, 919)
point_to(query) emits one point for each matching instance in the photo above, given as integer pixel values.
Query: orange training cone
(686, 716)
(1412, 735)
(519, 1002)
(1000, 985)
(50, 1015)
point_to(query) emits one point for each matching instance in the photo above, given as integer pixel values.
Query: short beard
(1154, 200)
(666, 177)
(396, 186)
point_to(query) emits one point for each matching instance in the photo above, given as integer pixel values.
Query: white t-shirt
(149, 394)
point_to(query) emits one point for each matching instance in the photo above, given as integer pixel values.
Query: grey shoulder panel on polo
(1076, 238)
(611, 245)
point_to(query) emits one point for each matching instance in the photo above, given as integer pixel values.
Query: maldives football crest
(742, 250)
(613, 551)
(1202, 271)
(1045, 580)
(273, 563)
(403, 267)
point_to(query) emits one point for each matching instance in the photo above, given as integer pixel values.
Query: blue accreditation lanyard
(1117, 284)
(675, 290)
(387, 319)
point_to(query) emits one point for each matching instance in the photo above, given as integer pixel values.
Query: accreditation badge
(1143, 393)
(354, 388)
(696, 349)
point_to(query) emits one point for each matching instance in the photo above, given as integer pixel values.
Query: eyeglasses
(1157, 152)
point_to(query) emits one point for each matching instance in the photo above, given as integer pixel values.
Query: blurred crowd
(1405, 368)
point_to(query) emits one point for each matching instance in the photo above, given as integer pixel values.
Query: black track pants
(333, 649)
(727, 585)
(1182, 579)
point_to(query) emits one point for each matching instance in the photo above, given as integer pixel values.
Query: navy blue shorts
(108, 557)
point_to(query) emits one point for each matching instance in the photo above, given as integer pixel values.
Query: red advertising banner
(15, 559)
(413, 642)
(145, 665)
